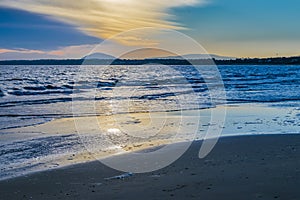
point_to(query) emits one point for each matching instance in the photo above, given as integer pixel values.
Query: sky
(36, 29)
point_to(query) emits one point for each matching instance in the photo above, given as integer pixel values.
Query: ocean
(33, 95)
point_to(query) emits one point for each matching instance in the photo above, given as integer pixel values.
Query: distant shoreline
(238, 61)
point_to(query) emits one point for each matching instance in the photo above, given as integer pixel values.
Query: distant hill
(103, 56)
(100, 56)
(197, 57)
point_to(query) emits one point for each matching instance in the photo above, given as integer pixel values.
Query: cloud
(20, 50)
(106, 18)
(60, 53)
(24, 54)
(78, 51)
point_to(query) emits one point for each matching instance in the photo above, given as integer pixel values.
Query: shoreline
(149, 148)
(241, 167)
(242, 119)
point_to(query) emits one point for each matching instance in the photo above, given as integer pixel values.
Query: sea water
(31, 95)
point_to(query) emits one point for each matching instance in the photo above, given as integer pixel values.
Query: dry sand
(246, 167)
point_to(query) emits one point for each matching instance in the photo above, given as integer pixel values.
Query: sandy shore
(247, 167)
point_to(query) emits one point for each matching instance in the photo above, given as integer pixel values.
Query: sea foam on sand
(68, 141)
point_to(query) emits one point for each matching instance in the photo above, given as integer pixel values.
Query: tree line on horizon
(155, 61)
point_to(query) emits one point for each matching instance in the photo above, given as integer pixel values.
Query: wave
(2, 94)
(33, 102)
(39, 92)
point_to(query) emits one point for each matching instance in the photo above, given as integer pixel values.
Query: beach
(68, 141)
(185, 99)
(245, 167)
(256, 157)
(92, 138)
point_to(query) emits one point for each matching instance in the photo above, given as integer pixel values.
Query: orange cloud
(20, 51)
(106, 18)
(63, 52)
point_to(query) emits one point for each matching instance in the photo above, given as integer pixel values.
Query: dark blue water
(35, 94)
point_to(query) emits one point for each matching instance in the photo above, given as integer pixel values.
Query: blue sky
(268, 27)
(242, 28)
(244, 19)
(22, 29)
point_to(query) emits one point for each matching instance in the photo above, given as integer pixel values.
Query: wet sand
(242, 167)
